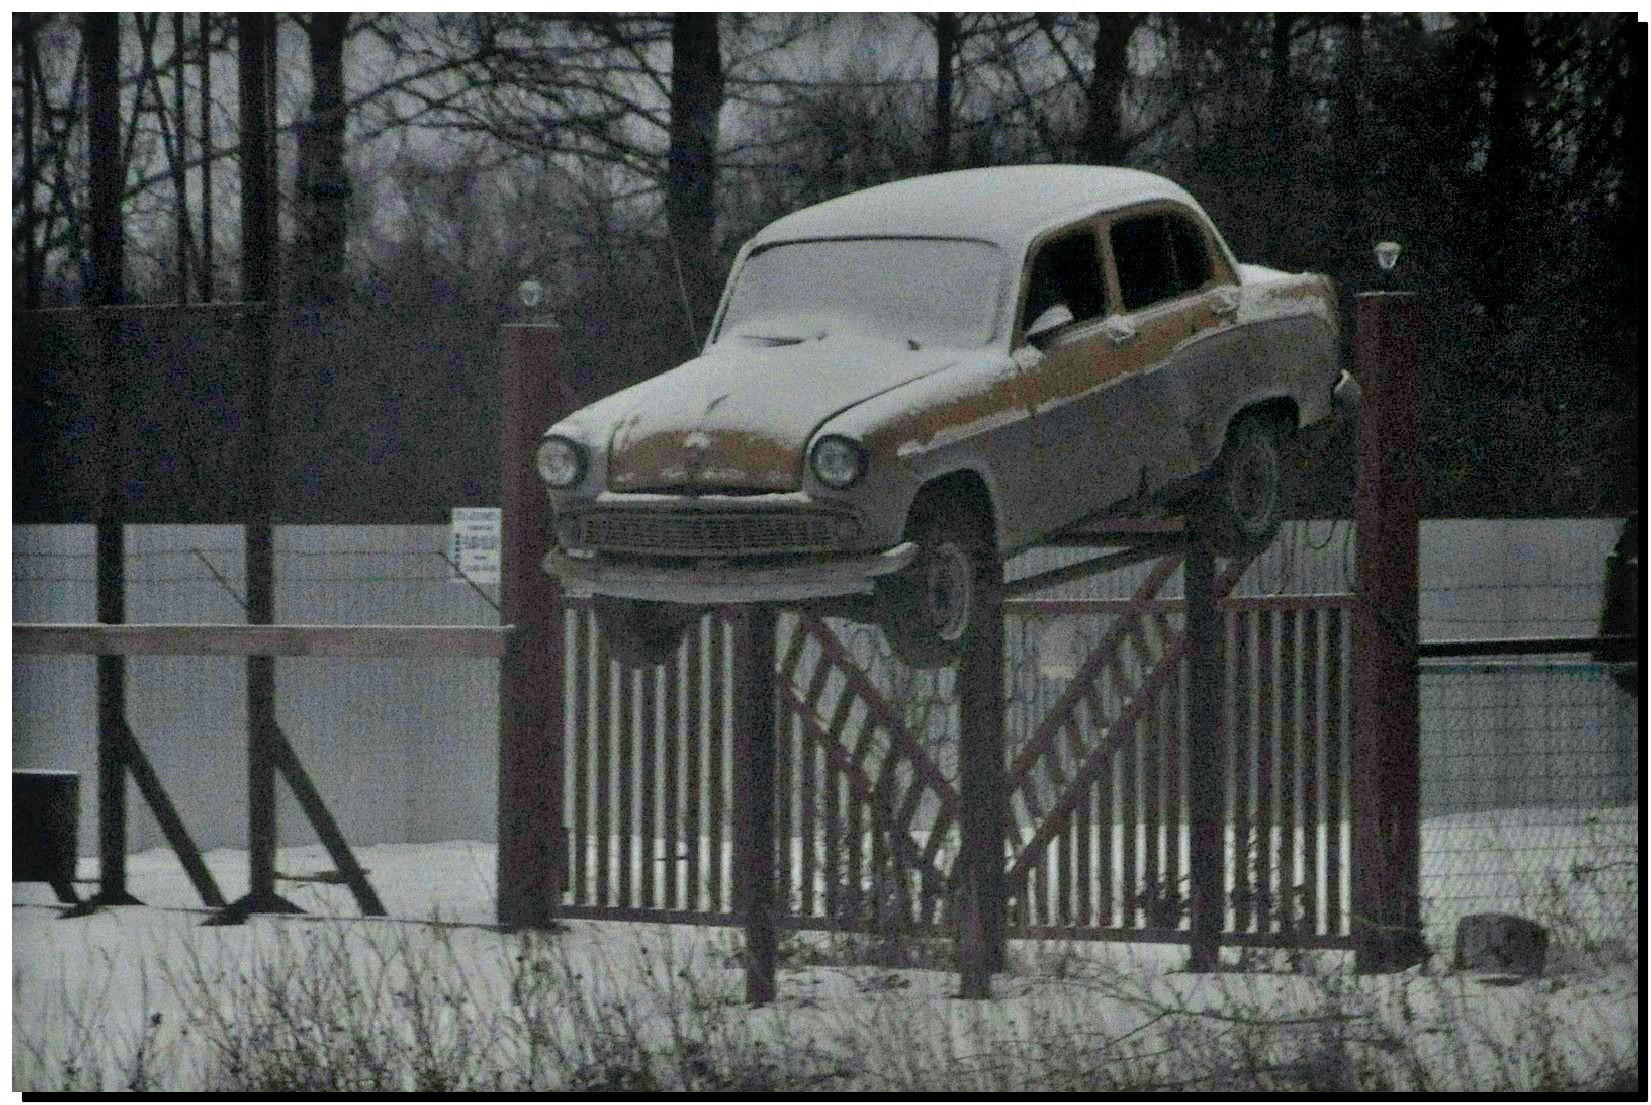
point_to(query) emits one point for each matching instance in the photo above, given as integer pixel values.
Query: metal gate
(867, 803)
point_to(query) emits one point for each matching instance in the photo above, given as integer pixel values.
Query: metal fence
(1531, 794)
(403, 750)
(1530, 770)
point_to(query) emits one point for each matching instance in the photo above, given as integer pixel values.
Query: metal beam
(1524, 646)
(259, 640)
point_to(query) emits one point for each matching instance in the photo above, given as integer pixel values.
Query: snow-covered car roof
(1006, 205)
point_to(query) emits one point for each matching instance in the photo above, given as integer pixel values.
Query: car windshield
(928, 290)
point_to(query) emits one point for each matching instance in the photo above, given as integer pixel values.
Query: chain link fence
(1530, 769)
(1530, 795)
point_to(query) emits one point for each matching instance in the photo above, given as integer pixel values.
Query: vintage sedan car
(906, 385)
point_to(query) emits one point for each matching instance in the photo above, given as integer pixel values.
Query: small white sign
(473, 543)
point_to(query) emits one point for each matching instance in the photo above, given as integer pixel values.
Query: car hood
(739, 417)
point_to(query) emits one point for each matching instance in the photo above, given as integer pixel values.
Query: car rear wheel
(931, 611)
(642, 634)
(1244, 503)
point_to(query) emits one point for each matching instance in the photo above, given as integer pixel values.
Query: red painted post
(531, 857)
(1386, 741)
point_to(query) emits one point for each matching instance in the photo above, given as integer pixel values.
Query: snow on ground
(119, 970)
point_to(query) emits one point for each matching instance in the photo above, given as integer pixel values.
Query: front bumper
(708, 581)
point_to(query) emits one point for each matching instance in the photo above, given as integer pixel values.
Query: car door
(1062, 345)
(1177, 343)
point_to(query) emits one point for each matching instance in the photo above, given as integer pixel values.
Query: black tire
(1244, 504)
(642, 634)
(930, 612)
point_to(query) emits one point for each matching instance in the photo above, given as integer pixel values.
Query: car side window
(1158, 257)
(1192, 255)
(1066, 272)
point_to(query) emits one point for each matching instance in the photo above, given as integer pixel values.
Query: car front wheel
(642, 634)
(932, 610)
(1244, 506)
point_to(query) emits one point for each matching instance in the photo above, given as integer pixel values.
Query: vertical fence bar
(604, 768)
(716, 733)
(1084, 861)
(626, 785)
(1174, 813)
(1243, 709)
(1155, 733)
(1311, 724)
(693, 756)
(648, 785)
(1207, 758)
(754, 838)
(836, 838)
(532, 677)
(1386, 732)
(1129, 784)
(673, 758)
(1265, 739)
(1106, 916)
(1334, 770)
(1289, 716)
(784, 828)
(584, 645)
(809, 788)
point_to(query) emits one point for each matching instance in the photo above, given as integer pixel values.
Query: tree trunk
(1505, 162)
(32, 266)
(945, 37)
(1280, 112)
(691, 174)
(1104, 127)
(323, 184)
(1349, 148)
(107, 176)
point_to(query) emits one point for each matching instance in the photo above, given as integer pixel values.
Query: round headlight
(561, 462)
(838, 462)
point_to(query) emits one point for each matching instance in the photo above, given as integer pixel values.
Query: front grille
(708, 533)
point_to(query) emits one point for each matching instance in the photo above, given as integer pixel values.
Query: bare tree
(691, 173)
(323, 184)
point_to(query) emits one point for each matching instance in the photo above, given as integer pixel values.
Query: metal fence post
(107, 263)
(754, 829)
(983, 783)
(1386, 738)
(531, 858)
(1206, 797)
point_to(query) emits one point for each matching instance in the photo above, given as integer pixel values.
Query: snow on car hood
(739, 417)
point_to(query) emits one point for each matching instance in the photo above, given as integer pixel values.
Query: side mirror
(1047, 323)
